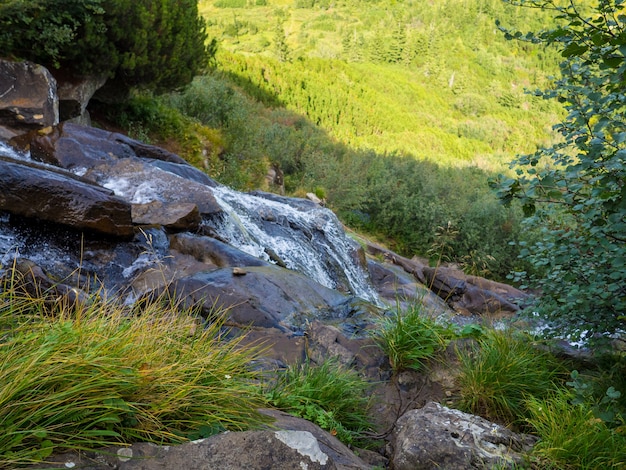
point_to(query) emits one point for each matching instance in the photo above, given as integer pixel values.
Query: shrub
(501, 373)
(94, 375)
(409, 338)
(574, 190)
(329, 395)
(148, 43)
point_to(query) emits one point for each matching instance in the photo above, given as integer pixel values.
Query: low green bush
(502, 372)
(329, 395)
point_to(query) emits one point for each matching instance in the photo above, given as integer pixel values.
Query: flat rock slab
(291, 443)
(259, 296)
(54, 197)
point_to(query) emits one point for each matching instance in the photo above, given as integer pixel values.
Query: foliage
(501, 373)
(571, 437)
(409, 338)
(153, 120)
(330, 395)
(148, 43)
(96, 374)
(575, 188)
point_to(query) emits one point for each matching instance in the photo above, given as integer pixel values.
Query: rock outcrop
(28, 98)
(435, 437)
(35, 192)
(292, 443)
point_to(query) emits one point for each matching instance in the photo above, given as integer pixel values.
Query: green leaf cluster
(576, 189)
(330, 395)
(146, 43)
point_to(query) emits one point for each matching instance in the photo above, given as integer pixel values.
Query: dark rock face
(28, 98)
(74, 95)
(41, 194)
(436, 437)
(259, 296)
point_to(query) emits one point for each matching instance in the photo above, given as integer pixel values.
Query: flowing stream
(305, 237)
(294, 233)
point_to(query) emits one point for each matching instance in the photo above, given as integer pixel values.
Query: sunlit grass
(94, 374)
(409, 338)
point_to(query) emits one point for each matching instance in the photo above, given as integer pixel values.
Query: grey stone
(436, 437)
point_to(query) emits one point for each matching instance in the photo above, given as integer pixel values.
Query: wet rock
(28, 98)
(265, 297)
(435, 437)
(27, 277)
(175, 216)
(51, 196)
(212, 251)
(138, 182)
(184, 171)
(395, 285)
(74, 147)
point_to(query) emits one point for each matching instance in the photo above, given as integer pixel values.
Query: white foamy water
(310, 241)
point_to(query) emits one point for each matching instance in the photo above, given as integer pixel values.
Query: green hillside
(433, 80)
(396, 113)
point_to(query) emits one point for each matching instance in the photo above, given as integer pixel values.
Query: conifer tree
(156, 44)
(280, 44)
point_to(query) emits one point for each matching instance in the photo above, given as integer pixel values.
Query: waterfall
(304, 236)
(294, 233)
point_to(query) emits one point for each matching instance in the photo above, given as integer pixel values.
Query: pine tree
(280, 44)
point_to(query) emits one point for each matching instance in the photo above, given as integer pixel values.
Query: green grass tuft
(409, 338)
(332, 396)
(93, 375)
(502, 372)
(571, 437)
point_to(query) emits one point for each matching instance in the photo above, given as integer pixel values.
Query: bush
(574, 190)
(501, 373)
(94, 375)
(329, 395)
(147, 43)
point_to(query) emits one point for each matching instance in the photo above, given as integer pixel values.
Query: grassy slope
(459, 100)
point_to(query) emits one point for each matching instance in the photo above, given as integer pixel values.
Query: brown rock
(51, 196)
(28, 98)
(174, 216)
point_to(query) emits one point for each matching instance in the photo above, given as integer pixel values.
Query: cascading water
(294, 233)
(306, 237)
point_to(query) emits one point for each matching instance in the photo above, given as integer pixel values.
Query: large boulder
(258, 296)
(28, 98)
(435, 437)
(36, 192)
(74, 94)
(291, 443)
